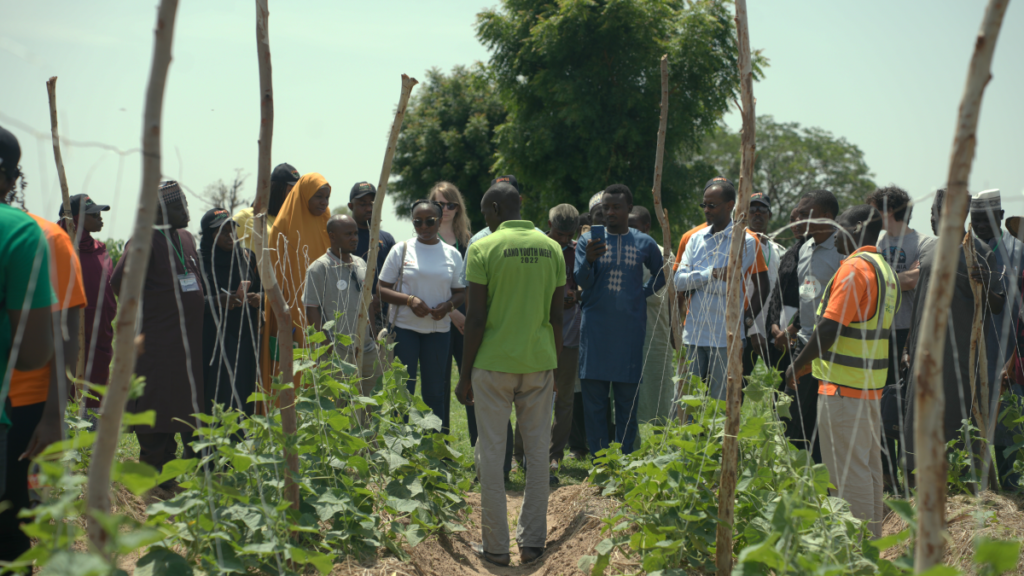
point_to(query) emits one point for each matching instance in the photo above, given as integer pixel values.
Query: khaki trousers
(494, 394)
(849, 431)
(565, 381)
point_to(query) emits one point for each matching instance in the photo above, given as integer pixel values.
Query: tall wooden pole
(264, 262)
(72, 228)
(109, 428)
(928, 394)
(659, 209)
(51, 91)
(734, 304)
(363, 321)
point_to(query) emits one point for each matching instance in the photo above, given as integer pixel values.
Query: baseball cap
(214, 218)
(284, 173)
(10, 153)
(80, 200)
(507, 179)
(761, 198)
(360, 189)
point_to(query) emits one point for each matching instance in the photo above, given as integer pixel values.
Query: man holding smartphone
(614, 317)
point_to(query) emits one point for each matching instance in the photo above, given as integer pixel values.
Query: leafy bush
(389, 480)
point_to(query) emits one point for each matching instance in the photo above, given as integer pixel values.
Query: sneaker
(553, 480)
(554, 466)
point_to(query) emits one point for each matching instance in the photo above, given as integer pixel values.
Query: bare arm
(313, 315)
(50, 425)
(555, 316)
(909, 278)
(825, 335)
(476, 320)
(396, 298)
(37, 341)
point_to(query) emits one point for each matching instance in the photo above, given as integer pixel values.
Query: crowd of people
(570, 326)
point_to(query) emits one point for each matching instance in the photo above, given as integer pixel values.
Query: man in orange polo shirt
(36, 406)
(848, 354)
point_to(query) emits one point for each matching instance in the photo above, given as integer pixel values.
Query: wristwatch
(748, 321)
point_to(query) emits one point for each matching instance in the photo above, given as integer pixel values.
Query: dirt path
(574, 527)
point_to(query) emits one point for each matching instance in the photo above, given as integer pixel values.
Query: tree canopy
(448, 135)
(582, 86)
(791, 160)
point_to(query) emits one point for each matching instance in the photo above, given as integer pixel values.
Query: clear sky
(888, 76)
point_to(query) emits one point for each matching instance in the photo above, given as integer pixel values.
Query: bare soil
(574, 527)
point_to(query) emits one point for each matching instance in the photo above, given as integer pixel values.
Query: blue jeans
(427, 355)
(708, 364)
(595, 409)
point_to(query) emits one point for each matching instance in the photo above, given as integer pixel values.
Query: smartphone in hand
(597, 233)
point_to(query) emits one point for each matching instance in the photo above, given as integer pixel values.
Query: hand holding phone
(596, 246)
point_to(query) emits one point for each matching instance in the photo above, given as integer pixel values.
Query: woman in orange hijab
(298, 237)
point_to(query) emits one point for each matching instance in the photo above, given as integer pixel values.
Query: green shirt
(23, 252)
(521, 268)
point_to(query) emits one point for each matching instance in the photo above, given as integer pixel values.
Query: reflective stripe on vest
(859, 358)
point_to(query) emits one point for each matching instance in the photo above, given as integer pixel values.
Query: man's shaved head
(339, 222)
(505, 195)
(500, 203)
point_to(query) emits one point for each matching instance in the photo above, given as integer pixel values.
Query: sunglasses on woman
(428, 222)
(449, 205)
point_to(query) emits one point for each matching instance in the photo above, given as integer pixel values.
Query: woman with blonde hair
(454, 232)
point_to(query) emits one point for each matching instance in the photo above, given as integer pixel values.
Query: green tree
(791, 160)
(582, 85)
(448, 135)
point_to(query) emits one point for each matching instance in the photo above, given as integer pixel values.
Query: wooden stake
(659, 209)
(363, 321)
(289, 421)
(977, 360)
(928, 393)
(72, 226)
(51, 91)
(734, 304)
(109, 429)
(662, 215)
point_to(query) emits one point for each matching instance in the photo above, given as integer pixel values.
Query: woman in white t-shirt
(421, 279)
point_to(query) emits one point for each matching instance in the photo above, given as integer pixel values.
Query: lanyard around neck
(179, 253)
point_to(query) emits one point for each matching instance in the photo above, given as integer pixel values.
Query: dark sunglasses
(421, 222)
(759, 209)
(449, 205)
(708, 205)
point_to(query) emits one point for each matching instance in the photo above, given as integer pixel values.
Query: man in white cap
(986, 224)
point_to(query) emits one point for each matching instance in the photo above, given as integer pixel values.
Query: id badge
(188, 282)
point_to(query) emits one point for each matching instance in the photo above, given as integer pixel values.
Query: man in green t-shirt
(26, 297)
(513, 339)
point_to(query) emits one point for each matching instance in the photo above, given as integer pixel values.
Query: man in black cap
(282, 179)
(97, 269)
(360, 202)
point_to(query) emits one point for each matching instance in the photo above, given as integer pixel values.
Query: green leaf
(940, 570)
(162, 562)
(886, 542)
(78, 442)
(1001, 556)
(176, 468)
(147, 418)
(905, 511)
(135, 476)
(322, 562)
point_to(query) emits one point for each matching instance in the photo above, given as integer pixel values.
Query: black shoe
(528, 554)
(497, 559)
(553, 480)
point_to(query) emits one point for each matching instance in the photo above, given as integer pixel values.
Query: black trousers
(892, 454)
(24, 419)
(803, 427)
(159, 448)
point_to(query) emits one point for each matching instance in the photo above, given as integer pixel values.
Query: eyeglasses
(449, 205)
(424, 222)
